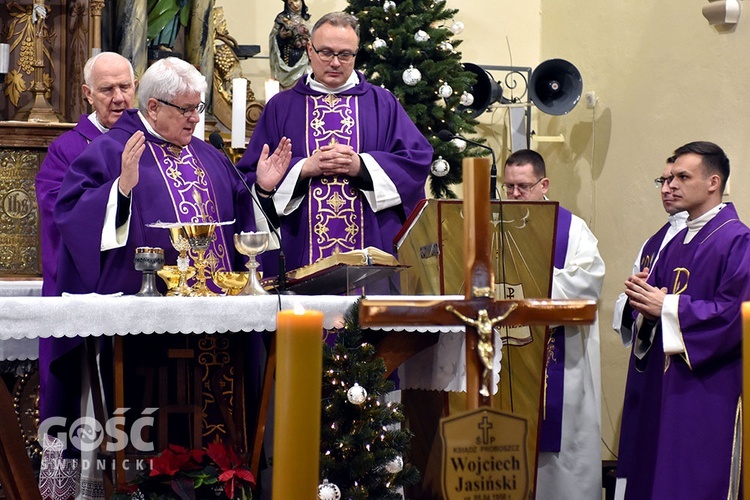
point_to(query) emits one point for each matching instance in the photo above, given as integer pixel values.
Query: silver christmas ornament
(460, 144)
(389, 5)
(411, 76)
(395, 466)
(440, 167)
(446, 46)
(421, 36)
(445, 91)
(356, 394)
(328, 491)
(457, 27)
(467, 99)
(378, 43)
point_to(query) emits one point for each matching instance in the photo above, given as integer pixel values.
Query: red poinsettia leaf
(229, 488)
(246, 476)
(218, 453)
(177, 449)
(197, 456)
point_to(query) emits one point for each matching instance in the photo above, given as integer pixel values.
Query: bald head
(109, 86)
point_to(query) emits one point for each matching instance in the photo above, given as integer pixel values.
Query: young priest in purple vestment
(688, 342)
(622, 322)
(359, 164)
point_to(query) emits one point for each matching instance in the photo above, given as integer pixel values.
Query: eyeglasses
(660, 181)
(522, 188)
(328, 55)
(186, 111)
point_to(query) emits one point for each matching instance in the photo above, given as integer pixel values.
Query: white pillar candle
(272, 88)
(239, 101)
(200, 127)
(4, 58)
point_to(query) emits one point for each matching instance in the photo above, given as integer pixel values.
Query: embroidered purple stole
(652, 246)
(192, 194)
(550, 434)
(335, 207)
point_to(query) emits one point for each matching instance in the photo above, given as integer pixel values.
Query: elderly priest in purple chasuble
(147, 168)
(359, 164)
(687, 342)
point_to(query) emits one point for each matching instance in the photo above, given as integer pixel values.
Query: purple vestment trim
(336, 223)
(550, 435)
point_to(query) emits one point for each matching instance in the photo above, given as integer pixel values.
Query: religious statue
(164, 20)
(485, 328)
(288, 43)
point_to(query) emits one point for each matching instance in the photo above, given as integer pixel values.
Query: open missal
(340, 273)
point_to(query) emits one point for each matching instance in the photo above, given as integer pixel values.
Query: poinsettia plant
(177, 472)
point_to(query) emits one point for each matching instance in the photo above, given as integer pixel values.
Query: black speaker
(486, 91)
(555, 86)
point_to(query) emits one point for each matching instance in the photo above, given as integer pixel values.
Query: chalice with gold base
(184, 271)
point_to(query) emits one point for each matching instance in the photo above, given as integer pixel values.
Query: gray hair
(337, 19)
(88, 69)
(167, 78)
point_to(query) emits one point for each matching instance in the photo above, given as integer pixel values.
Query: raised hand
(131, 157)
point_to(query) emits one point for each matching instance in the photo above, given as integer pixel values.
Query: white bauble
(457, 27)
(378, 43)
(356, 394)
(445, 91)
(328, 491)
(467, 99)
(421, 36)
(395, 466)
(446, 46)
(460, 144)
(389, 5)
(440, 167)
(411, 76)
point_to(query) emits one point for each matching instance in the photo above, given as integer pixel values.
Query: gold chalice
(180, 243)
(252, 244)
(175, 279)
(199, 237)
(232, 282)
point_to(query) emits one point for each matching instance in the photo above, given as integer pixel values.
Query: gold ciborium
(232, 282)
(148, 260)
(252, 244)
(180, 243)
(199, 237)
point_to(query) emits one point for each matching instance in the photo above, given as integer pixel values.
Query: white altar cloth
(441, 367)
(24, 348)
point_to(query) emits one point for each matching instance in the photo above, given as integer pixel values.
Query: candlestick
(239, 102)
(296, 434)
(200, 127)
(272, 88)
(4, 58)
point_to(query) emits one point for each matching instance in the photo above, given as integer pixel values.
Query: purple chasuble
(550, 434)
(372, 120)
(686, 434)
(60, 154)
(634, 386)
(182, 184)
(335, 205)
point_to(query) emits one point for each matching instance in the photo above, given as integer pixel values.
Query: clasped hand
(644, 298)
(334, 159)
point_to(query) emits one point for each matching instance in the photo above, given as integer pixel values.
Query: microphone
(446, 136)
(217, 141)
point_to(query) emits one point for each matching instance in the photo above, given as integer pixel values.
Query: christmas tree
(408, 47)
(362, 451)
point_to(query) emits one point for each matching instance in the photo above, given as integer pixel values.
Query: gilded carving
(26, 25)
(19, 239)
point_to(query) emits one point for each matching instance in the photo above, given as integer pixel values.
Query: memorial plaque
(484, 456)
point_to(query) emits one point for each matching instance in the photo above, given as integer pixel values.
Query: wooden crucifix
(479, 311)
